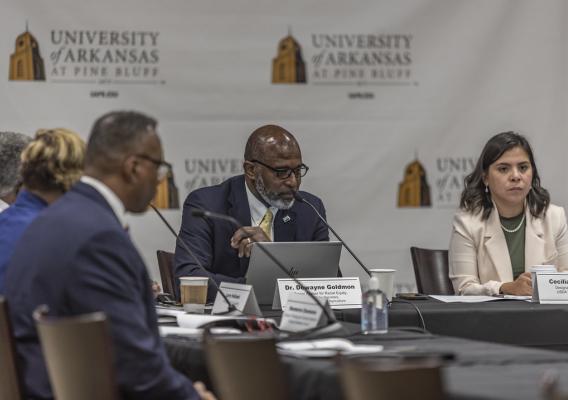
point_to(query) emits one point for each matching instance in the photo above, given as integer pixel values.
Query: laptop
(302, 259)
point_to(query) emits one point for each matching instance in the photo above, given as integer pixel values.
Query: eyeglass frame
(163, 166)
(285, 169)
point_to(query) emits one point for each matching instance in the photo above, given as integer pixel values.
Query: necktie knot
(266, 223)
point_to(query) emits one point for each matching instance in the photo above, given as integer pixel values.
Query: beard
(272, 198)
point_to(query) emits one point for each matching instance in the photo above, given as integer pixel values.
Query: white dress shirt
(258, 209)
(3, 205)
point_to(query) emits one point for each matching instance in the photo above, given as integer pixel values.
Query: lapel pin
(286, 219)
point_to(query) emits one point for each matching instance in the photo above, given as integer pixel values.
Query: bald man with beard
(262, 200)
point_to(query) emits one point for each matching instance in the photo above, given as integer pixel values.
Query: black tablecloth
(505, 321)
(477, 370)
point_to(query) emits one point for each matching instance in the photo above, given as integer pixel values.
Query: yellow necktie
(266, 223)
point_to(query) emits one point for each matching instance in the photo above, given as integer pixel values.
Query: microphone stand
(332, 326)
(302, 200)
(231, 307)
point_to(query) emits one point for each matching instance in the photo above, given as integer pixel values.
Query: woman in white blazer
(505, 223)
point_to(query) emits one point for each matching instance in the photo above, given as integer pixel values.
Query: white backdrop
(372, 103)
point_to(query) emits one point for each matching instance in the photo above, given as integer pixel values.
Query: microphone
(333, 324)
(232, 308)
(299, 198)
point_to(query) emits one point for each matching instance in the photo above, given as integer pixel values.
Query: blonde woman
(51, 164)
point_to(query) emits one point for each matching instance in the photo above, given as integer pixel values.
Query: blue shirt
(13, 222)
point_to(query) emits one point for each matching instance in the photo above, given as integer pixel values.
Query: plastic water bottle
(374, 311)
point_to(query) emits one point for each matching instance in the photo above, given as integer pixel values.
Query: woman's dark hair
(474, 198)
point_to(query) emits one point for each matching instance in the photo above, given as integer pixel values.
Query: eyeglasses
(285, 173)
(163, 166)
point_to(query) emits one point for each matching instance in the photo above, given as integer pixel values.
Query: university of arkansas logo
(288, 66)
(414, 190)
(336, 58)
(26, 63)
(167, 194)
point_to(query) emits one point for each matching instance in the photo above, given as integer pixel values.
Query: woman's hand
(522, 286)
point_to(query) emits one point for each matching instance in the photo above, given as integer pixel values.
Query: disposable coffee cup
(193, 290)
(386, 280)
(534, 270)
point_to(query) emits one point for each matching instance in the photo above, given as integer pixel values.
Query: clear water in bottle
(374, 310)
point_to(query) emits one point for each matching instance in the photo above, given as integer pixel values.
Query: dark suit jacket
(76, 258)
(210, 239)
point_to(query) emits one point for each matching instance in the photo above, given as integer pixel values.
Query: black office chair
(11, 387)
(431, 270)
(166, 265)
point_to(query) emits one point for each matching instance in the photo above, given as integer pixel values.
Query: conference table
(504, 321)
(472, 369)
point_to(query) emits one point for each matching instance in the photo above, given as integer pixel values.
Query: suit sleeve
(463, 268)
(561, 241)
(197, 234)
(321, 233)
(109, 276)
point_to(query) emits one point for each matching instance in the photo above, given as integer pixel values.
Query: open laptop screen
(302, 259)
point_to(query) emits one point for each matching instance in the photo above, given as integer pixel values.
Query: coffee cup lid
(193, 278)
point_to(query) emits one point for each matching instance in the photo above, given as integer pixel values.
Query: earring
(486, 189)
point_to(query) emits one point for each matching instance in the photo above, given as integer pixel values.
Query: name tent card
(551, 288)
(240, 295)
(302, 313)
(340, 293)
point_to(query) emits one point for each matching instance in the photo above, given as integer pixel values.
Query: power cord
(416, 308)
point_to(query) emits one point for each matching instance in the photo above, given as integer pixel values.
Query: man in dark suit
(262, 200)
(77, 258)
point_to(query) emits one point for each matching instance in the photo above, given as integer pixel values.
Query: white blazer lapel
(496, 247)
(536, 251)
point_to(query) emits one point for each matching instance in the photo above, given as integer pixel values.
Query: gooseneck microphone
(299, 198)
(196, 212)
(231, 308)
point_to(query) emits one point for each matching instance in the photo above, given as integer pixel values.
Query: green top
(515, 242)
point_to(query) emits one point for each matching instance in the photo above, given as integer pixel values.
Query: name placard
(552, 288)
(340, 293)
(302, 313)
(240, 295)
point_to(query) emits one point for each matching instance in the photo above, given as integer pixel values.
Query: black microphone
(332, 322)
(188, 250)
(298, 197)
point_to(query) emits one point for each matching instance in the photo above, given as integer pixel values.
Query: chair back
(166, 265)
(388, 379)
(431, 270)
(245, 368)
(10, 382)
(78, 356)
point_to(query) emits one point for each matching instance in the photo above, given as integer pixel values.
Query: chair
(388, 379)
(78, 355)
(166, 265)
(245, 368)
(431, 269)
(10, 383)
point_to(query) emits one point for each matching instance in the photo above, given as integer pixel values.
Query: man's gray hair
(11, 147)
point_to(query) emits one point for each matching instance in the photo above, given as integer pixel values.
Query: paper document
(179, 331)
(477, 299)
(199, 320)
(194, 332)
(325, 348)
